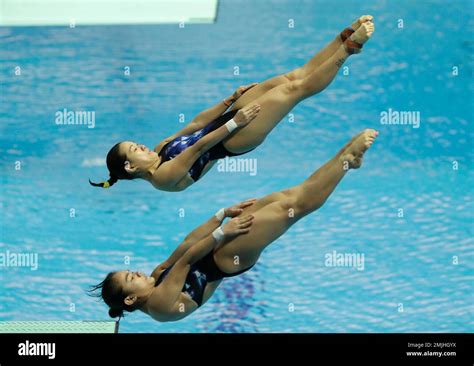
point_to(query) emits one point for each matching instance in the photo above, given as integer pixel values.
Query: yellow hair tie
(106, 185)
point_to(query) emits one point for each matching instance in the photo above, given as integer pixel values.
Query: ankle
(346, 33)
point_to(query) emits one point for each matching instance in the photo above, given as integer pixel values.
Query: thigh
(275, 105)
(269, 223)
(258, 90)
(266, 200)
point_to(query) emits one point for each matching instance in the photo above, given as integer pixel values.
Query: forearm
(171, 287)
(236, 226)
(211, 139)
(205, 117)
(188, 129)
(193, 237)
(199, 250)
(215, 111)
(205, 229)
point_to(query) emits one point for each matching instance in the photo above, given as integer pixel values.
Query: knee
(288, 208)
(294, 86)
(290, 202)
(295, 74)
(298, 88)
(300, 203)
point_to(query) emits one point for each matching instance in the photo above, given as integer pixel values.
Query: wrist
(231, 125)
(221, 214)
(218, 234)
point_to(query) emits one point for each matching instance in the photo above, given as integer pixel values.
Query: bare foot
(362, 19)
(363, 33)
(353, 154)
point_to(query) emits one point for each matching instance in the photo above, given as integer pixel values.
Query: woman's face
(138, 155)
(134, 283)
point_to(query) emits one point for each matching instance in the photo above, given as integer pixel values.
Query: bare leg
(275, 213)
(328, 50)
(279, 101)
(261, 88)
(320, 57)
(298, 73)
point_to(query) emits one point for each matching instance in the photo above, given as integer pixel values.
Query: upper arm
(173, 171)
(171, 287)
(191, 127)
(196, 124)
(174, 257)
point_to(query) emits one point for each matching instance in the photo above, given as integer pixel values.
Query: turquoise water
(418, 273)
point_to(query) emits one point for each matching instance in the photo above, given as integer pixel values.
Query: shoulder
(162, 144)
(155, 306)
(179, 310)
(161, 178)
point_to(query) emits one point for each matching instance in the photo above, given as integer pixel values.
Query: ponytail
(107, 184)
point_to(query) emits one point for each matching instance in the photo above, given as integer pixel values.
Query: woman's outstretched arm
(173, 171)
(212, 113)
(204, 230)
(192, 238)
(203, 118)
(170, 173)
(170, 289)
(207, 115)
(201, 232)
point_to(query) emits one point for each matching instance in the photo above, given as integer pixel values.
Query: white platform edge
(105, 12)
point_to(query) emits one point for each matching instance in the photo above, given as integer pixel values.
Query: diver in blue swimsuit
(182, 159)
(187, 279)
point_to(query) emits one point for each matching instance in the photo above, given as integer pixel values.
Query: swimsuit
(201, 273)
(181, 143)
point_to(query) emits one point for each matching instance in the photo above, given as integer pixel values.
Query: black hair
(116, 165)
(112, 294)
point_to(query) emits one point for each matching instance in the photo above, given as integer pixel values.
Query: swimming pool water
(418, 271)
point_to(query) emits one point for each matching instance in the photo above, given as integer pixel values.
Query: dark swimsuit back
(201, 273)
(181, 143)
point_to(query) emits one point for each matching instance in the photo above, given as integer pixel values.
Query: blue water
(408, 261)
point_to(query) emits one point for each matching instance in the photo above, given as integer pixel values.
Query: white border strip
(105, 12)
